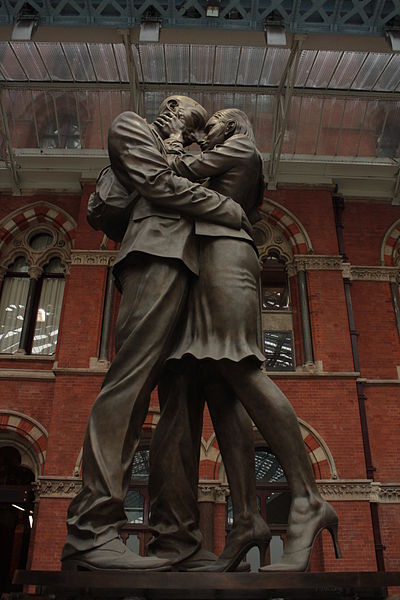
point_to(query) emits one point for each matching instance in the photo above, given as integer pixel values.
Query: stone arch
(290, 235)
(38, 212)
(318, 452)
(390, 248)
(27, 435)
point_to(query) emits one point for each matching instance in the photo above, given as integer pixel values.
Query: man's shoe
(113, 555)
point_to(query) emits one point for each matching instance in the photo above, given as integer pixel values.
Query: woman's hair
(242, 121)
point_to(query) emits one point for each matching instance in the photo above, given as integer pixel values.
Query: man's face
(215, 133)
(189, 120)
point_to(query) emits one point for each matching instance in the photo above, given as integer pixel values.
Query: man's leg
(154, 294)
(174, 467)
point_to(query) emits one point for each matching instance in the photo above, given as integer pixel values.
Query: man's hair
(242, 121)
(200, 115)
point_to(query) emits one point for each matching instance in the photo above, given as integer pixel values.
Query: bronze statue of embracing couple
(188, 321)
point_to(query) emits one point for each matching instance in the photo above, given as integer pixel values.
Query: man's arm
(139, 165)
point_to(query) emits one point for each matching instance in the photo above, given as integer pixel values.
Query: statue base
(140, 585)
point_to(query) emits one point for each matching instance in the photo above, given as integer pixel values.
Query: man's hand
(171, 126)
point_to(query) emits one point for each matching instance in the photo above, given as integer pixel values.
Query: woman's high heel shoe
(299, 560)
(239, 542)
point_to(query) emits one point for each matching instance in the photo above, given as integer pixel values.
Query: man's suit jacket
(161, 220)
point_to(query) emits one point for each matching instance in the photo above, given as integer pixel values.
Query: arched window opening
(32, 292)
(13, 299)
(136, 533)
(273, 499)
(276, 314)
(16, 514)
(63, 132)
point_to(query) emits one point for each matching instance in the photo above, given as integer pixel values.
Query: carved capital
(94, 258)
(35, 272)
(212, 491)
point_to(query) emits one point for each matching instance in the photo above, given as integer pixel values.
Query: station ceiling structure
(325, 106)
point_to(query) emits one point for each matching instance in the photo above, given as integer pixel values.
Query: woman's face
(214, 130)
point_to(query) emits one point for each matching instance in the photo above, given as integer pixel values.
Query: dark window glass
(274, 285)
(278, 350)
(41, 241)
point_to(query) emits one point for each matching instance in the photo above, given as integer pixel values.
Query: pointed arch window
(32, 294)
(277, 314)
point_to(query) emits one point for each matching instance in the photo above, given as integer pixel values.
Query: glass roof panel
(30, 59)
(324, 65)
(388, 141)
(120, 57)
(331, 119)
(264, 122)
(353, 119)
(250, 65)
(292, 123)
(177, 63)
(9, 64)
(274, 65)
(201, 64)
(103, 60)
(308, 127)
(79, 61)
(370, 71)
(226, 64)
(55, 61)
(372, 127)
(152, 101)
(18, 107)
(347, 69)
(153, 62)
(306, 62)
(390, 77)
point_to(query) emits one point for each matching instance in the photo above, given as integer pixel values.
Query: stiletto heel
(333, 530)
(240, 540)
(299, 560)
(262, 548)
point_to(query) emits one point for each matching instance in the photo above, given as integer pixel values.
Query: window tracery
(33, 267)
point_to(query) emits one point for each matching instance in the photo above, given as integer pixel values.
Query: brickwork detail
(290, 227)
(41, 212)
(390, 254)
(32, 431)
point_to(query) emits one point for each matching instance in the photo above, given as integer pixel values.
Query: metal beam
(282, 108)
(396, 189)
(183, 88)
(318, 16)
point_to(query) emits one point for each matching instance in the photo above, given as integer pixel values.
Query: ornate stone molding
(364, 489)
(377, 273)
(57, 487)
(94, 258)
(316, 262)
(349, 489)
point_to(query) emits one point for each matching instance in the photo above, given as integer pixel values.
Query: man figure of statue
(158, 259)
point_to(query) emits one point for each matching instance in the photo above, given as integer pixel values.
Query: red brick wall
(328, 403)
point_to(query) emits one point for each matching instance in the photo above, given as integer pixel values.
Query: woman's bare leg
(276, 420)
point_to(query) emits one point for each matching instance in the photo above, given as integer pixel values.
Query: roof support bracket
(10, 154)
(282, 108)
(136, 93)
